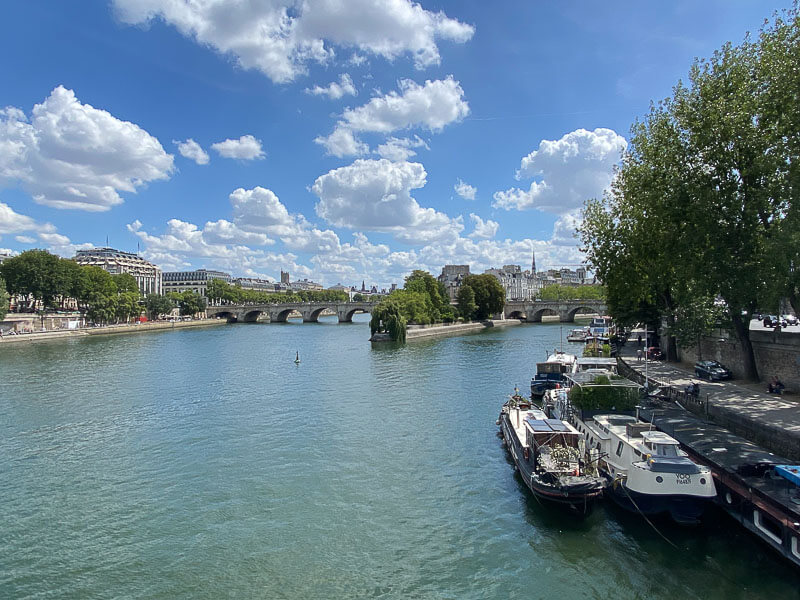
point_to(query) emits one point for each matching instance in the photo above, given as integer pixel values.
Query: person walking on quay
(639, 355)
(640, 340)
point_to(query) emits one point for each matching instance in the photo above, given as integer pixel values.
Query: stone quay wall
(776, 353)
(416, 332)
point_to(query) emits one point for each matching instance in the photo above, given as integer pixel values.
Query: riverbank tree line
(423, 300)
(701, 225)
(222, 292)
(41, 282)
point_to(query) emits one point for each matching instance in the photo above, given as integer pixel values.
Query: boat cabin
(593, 363)
(555, 443)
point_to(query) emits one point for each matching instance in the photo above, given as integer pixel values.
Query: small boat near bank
(646, 470)
(578, 335)
(550, 455)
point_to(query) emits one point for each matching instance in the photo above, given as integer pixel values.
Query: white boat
(578, 335)
(647, 471)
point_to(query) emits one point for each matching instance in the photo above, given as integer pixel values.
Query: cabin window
(768, 526)
(795, 546)
(666, 450)
(619, 449)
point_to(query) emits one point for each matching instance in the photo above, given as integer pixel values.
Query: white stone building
(147, 275)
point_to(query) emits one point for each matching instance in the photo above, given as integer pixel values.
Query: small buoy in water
(297, 357)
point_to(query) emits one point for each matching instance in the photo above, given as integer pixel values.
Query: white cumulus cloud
(465, 190)
(570, 170)
(74, 156)
(279, 37)
(483, 229)
(335, 90)
(375, 195)
(400, 148)
(430, 106)
(193, 151)
(247, 147)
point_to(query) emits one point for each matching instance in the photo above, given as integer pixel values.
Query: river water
(205, 464)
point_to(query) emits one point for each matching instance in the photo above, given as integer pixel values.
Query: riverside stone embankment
(110, 330)
(417, 332)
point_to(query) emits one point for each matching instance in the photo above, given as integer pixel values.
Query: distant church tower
(533, 262)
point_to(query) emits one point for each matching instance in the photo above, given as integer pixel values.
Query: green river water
(205, 464)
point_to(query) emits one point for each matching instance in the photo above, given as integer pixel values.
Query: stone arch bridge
(278, 313)
(532, 311)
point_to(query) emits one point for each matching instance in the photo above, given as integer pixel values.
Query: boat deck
(742, 460)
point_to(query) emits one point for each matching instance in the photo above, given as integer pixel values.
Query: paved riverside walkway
(745, 408)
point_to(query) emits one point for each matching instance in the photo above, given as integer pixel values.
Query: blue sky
(342, 141)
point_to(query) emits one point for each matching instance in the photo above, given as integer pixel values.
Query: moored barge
(754, 486)
(550, 455)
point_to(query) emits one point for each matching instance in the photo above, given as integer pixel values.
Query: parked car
(654, 353)
(774, 321)
(790, 319)
(711, 370)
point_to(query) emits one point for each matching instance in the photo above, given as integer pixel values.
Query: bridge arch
(252, 316)
(280, 316)
(517, 314)
(229, 316)
(536, 316)
(312, 315)
(574, 311)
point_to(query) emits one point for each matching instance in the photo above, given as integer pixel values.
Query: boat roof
(612, 420)
(537, 421)
(658, 437)
(561, 357)
(593, 362)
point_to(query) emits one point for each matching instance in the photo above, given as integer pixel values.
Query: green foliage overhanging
(387, 318)
(703, 212)
(422, 301)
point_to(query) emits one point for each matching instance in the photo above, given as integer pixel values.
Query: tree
(188, 302)
(156, 305)
(704, 196)
(387, 317)
(126, 283)
(97, 294)
(34, 273)
(3, 299)
(489, 294)
(358, 298)
(424, 283)
(465, 302)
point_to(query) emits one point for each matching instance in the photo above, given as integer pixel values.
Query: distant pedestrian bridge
(532, 311)
(278, 313)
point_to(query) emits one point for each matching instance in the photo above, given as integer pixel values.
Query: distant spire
(533, 262)
(107, 241)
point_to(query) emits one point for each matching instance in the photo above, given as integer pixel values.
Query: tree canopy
(699, 219)
(3, 299)
(490, 297)
(572, 292)
(218, 291)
